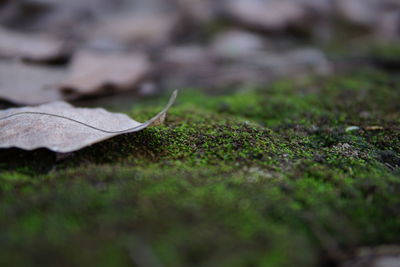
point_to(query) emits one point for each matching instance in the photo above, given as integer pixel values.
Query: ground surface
(265, 176)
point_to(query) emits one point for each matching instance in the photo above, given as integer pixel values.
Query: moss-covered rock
(266, 177)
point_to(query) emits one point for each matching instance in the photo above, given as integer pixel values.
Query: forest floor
(285, 152)
(299, 173)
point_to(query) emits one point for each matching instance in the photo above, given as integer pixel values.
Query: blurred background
(74, 50)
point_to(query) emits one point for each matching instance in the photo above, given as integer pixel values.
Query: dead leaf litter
(62, 128)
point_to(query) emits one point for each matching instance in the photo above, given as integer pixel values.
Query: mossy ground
(263, 177)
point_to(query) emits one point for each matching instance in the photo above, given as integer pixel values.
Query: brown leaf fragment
(362, 12)
(381, 256)
(93, 73)
(134, 30)
(63, 128)
(202, 11)
(236, 44)
(21, 83)
(30, 46)
(268, 15)
(374, 128)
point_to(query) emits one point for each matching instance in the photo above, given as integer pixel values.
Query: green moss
(264, 177)
(388, 51)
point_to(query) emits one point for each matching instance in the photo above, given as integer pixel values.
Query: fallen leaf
(352, 129)
(237, 43)
(93, 73)
(63, 128)
(388, 24)
(26, 84)
(202, 11)
(186, 66)
(30, 46)
(377, 256)
(135, 30)
(363, 12)
(374, 128)
(271, 15)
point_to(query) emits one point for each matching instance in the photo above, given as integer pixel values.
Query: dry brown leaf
(135, 30)
(202, 11)
(236, 44)
(27, 84)
(269, 15)
(363, 12)
(33, 47)
(374, 128)
(92, 73)
(62, 128)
